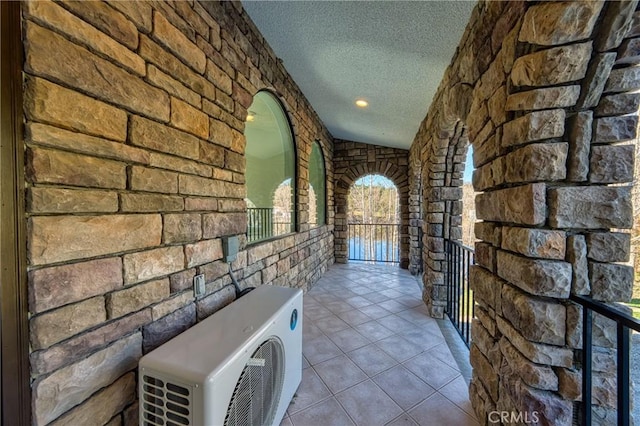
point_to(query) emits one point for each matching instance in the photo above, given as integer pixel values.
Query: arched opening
(271, 169)
(373, 220)
(468, 201)
(343, 184)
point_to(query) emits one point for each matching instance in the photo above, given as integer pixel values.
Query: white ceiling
(391, 53)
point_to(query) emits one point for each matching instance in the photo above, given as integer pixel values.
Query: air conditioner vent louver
(165, 403)
(257, 393)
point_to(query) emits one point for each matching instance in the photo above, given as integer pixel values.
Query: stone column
(553, 177)
(415, 214)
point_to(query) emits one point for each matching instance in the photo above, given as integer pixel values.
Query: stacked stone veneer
(545, 94)
(415, 213)
(353, 160)
(134, 115)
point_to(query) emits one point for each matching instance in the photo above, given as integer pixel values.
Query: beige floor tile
(457, 391)
(331, 324)
(374, 356)
(371, 359)
(319, 350)
(433, 371)
(326, 413)
(373, 330)
(358, 302)
(375, 311)
(311, 391)
(354, 317)
(439, 411)
(402, 420)
(340, 373)
(399, 348)
(378, 409)
(404, 387)
(348, 340)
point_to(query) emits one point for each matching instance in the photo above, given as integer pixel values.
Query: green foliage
(635, 305)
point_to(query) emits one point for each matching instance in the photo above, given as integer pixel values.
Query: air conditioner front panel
(212, 344)
(212, 386)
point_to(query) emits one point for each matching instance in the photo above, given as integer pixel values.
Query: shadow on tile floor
(373, 356)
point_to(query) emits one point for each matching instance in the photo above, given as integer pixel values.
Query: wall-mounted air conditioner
(240, 366)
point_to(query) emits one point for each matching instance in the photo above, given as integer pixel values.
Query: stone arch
(442, 201)
(439, 170)
(552, 121)
(341, 191)
(269, 180)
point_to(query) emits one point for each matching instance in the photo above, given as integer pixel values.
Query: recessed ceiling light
(250, 117)
(362, 103)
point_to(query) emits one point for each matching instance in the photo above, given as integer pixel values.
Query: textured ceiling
(391, 53)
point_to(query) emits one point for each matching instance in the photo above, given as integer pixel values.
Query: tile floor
(372, 355)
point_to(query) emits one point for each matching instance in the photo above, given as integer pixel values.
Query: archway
(271, 164)
(344, 183)
(373, 212)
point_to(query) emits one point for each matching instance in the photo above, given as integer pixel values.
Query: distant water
(378, 251)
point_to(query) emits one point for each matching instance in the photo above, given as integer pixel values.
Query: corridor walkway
(372, 355)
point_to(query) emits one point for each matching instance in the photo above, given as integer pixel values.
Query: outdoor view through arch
(374, 220)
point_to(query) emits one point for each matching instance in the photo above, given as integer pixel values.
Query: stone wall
(134, 115)
(415, 213)
(351, 161)
(544, 92)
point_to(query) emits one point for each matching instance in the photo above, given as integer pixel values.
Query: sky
(468, 166)
(377, 180)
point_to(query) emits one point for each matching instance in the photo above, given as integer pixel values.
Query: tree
(282, 208)
(372, 204)
(468, 215)
(373, 199)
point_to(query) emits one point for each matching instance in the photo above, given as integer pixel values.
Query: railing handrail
(459, 243)
(624, 323)
(607, 311)
(460, 306)
(371, 223)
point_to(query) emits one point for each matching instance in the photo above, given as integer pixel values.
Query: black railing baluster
(623, 375)
(587, 326)
(456, 283)
(625, 323)
(373, 242)
(261, 224)
(463, 310)
(460, 304)
(447, 250)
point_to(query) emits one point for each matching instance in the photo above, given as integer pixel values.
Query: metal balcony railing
(460, 310)
(374, 242)
(460, 303)
(624, 324)
(261, 225)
